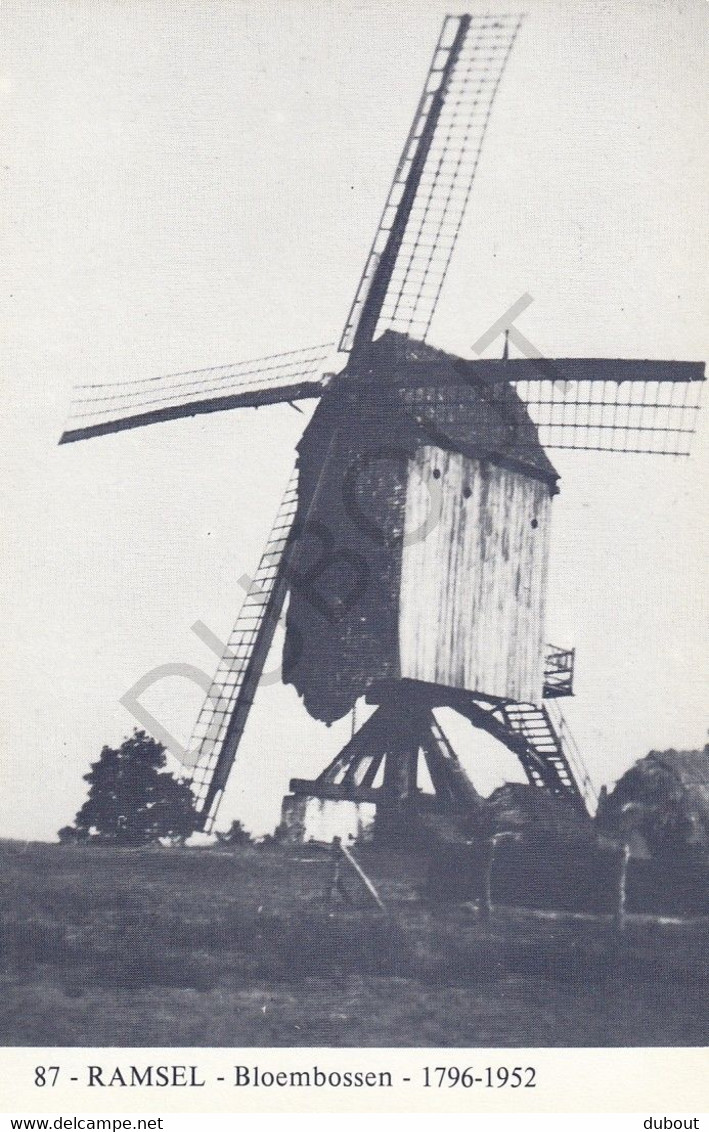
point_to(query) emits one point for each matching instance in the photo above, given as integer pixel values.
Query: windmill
(411, 545)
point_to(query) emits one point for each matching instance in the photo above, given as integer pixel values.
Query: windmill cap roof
(423, 395)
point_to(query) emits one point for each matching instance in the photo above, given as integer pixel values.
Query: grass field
(105, 947)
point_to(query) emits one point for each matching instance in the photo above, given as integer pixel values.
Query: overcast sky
(191, 184)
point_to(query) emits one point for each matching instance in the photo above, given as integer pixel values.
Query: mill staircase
(549, 755)
(221, 721)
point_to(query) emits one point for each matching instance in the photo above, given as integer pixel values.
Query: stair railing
(573, 755)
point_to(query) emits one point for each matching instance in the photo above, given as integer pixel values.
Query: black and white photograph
(354, 478)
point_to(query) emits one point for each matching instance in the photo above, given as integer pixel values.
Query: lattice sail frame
(581, 404)
(436, 216)
(114, 406)
(223, 715)
(601, 415)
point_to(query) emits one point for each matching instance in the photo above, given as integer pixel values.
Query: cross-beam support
(380, 764)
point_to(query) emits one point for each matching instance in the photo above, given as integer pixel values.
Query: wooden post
(338, 852)
(334, 884)
(362, 876)
(485, 905)
(630, 813)
(401, 752)
(620, 917)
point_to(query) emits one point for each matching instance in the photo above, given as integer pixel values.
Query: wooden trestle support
(388, 746)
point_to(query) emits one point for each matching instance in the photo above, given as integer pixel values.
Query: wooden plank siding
(473, 576)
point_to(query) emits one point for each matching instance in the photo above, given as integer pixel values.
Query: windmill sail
(409, 258)
(590, 404)
(583, 404)
(99, 409)
(605, 405)
(222, 720)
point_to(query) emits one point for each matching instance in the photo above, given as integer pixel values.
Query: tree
(236, 835)
(132, 800)
(665, 796)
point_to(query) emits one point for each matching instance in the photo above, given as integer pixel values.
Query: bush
(235, 835)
